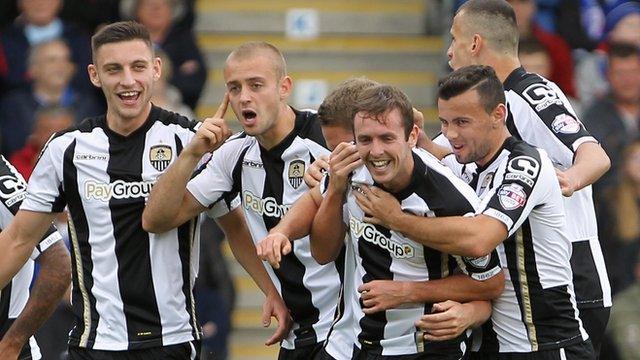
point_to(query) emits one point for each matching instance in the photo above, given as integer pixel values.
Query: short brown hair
(378, 100)
(337, 107)
(494, 20)
(248, 50)
(481, 78)
(118, 32)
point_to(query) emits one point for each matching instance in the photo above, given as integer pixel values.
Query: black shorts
(324, 355)
(184, 351)
(364, 355)
(302, 353)
(595, 322)
(579, 351)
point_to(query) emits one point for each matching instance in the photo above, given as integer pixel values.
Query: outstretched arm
(294, 225)
(235, 228)
(18, 240)
(380, 295)
(170, 204)
(475, 236)
(50, 285)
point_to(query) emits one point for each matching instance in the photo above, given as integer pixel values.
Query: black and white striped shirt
(14, 296)
(131, 289)
(382, 254)
(540, 114)
(537, 309)
(269, 182)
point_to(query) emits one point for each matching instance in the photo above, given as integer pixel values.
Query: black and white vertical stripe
(14, 296)
(268, 186)
(537, 309)
(382, 254)
(131, 289)
(541, 115)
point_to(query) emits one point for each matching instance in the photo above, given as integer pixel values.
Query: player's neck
(280, 129)
(125, 126)
(497, 143)
(503, 64)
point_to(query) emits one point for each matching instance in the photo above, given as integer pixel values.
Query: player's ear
(413, 135)
(286, 85)
(476, 44)
(93, 75)
(499, 116)
(157, 68)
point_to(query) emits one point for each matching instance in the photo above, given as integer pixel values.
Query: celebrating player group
(368, 239)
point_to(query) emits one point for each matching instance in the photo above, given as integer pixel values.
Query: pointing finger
(222, 109)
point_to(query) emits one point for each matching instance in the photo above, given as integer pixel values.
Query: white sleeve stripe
(582, 140)
(500, 216)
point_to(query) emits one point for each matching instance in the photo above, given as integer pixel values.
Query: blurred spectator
(622, 26)
(557, 48)
(50, 67)
(189, 71)
(624, 207)
(614, 119)
(39, 22)
(8, 13)
(534, 57)
(624, 324)
(48, 120)
(166, 95)
(91, 13)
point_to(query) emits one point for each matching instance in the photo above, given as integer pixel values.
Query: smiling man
(385, 139)
(132, 290)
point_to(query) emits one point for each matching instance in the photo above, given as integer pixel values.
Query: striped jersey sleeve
(12, 193)
(525, 184)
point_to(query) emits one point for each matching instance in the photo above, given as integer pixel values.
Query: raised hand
(212, 132)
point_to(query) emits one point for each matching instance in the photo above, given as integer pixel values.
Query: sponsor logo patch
(268, 206)
(12, 189)
(541, 96)
(478, 262)
(160, 156)
(565, 124)
(523, 168)
(512, 196)
(119, 189)
(252, 164)
(86, 157)
(296, 173)
(369, 233)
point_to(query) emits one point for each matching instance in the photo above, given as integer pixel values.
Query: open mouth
(249, 115)
(129, 97)
(380, 164)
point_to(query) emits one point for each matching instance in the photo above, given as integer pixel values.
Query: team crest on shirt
(12, 189)
(511, 196)
(160, 156)
(486, 182)
(296, 173)
(565, 124)
(541, 96)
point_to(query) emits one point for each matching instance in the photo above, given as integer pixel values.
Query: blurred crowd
(590, 48)
(44, 88)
